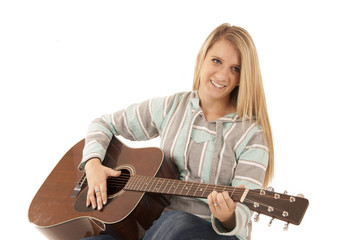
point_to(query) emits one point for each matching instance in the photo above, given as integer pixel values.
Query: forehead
(226, 51)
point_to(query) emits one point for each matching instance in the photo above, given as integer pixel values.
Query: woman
(219, 133)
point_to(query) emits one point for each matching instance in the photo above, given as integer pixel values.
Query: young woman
(219, 133)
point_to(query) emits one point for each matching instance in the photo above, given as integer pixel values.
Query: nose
(222, 74)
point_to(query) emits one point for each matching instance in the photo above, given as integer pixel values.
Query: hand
(96, 175)
(223, 207)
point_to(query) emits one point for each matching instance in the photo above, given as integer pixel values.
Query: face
(220, 72)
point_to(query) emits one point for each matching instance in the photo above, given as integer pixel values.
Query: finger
(91, 198)
(98, 198)
(113, 173)
(109, 173)
(88, 200)
(229, 202)
(215, 199)
(241, 186)
(221, 202)
(211, 202)
(104, 193)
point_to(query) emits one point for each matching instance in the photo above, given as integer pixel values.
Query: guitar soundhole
(114, 188)
(116, 184)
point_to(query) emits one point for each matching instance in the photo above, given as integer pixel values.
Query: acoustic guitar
(136, 198)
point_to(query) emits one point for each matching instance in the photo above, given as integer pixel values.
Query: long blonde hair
(249, 97)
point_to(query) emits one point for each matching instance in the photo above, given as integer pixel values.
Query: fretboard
(178, 187)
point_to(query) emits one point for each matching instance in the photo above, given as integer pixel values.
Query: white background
(63, 63)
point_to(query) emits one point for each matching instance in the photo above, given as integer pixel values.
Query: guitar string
(209, 189)
(249, 201)
(121, 182)
(181, 183)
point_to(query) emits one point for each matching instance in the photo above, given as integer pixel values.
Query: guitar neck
(179, 188)
(281, 206)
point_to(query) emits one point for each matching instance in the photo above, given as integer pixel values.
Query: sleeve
(138, 122)
(252, 161)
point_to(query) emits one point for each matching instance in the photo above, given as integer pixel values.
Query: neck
(179, 187)
(214, 109)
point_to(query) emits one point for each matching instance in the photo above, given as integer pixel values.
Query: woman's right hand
(97, 175)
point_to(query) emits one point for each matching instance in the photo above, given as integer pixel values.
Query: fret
(182, 188)
(180, 185)
(195, 192)
(169, 189)
(129, 184)
(231, 195)
(225, 188)
(167, 182)
(218, 188)
(185, 187)
(146, 185)
(159, 184)
(177, 187)
(160, 187)
(154, 182)
(204, 190)
(237, 193)
(151, 182)
(137, 185)
(212, 188)
(174, 186)
(143, 183)
(189, 189)
(134, 186)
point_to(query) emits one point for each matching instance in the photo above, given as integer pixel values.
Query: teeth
(217, 85)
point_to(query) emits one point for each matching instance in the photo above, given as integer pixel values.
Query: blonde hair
(249, 98)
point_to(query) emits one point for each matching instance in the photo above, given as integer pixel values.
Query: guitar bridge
(79, 186)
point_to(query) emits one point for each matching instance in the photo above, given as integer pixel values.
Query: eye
(215, 60)
(236, 69)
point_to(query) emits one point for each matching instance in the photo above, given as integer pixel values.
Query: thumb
(113, 173)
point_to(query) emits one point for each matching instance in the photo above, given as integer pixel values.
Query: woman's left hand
(223, 207)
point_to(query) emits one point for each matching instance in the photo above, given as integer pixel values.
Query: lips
(217, 85)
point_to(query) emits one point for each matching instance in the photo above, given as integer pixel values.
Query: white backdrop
(63, 63)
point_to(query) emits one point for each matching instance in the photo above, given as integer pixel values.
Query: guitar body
(58, 215)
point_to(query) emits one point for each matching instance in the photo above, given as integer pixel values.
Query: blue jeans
(178, 225)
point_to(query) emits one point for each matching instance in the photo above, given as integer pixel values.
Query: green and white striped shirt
(227, 151)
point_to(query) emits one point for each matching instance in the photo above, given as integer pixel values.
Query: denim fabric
(100, 237)
(178, 225)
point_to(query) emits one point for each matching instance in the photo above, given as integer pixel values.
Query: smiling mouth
(217, 85)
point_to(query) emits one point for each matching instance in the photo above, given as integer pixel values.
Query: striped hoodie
(229, 151)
